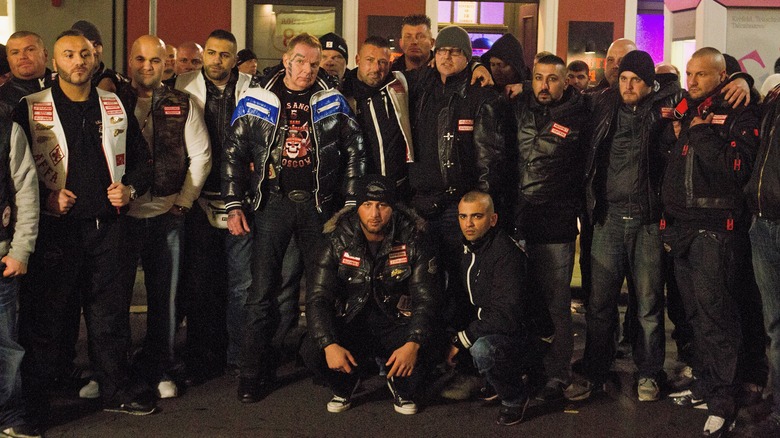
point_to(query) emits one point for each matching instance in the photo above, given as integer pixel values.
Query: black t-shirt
(297, 157)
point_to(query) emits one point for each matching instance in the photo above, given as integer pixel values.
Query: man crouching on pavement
(510, 331)
(373, 293)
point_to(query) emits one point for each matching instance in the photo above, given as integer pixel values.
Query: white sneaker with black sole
(716, 426)
(339, 404)
(400, 404)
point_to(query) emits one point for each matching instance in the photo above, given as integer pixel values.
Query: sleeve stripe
(464, 339)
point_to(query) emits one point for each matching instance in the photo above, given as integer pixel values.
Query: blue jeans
(275, 224)
(551, 266)
(499, 358)
(624, 247)
(11, 353)
(765, 240)
(157, 241)
(238, 250)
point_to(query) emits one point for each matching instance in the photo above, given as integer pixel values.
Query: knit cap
(639, 63)
(331, 41)
(454, 36)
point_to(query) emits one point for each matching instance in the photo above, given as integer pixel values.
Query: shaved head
(617, 50)
(147, 62)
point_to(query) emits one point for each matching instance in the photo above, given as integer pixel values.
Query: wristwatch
(133, 193)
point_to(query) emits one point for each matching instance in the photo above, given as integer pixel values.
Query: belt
(299, 195)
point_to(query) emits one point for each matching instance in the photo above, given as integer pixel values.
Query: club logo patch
(559, 130)
(172, 110)
(465, 125)
(56, 155)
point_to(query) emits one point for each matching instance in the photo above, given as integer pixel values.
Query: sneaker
(647, 389)
(462, 387)
(339, 404)
(90, 390)
(400, 404)
(21, 431)
(511, 415)
(133, 408)
(167, 389)
(717, 426)
(576, 391)
(685, 398)
(552, 391)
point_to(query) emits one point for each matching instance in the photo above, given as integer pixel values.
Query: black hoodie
(508, 49)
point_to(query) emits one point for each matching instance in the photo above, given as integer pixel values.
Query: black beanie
(375, 188)
(331, 41)
(639, 63)
(454, 36)
(89, 30)
(245, 55)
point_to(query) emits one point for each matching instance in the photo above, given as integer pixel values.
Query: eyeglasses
(451, 51)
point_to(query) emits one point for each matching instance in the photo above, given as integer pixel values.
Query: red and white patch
(465, 125)
(667, 113)
(172, 110)
(111, 105)
(719, 119)
(349, 260)
(560, 130)
(43, 112)
(398, 255)
(120, 160)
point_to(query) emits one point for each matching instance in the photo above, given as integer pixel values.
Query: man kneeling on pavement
(510, 331)
(374, 292)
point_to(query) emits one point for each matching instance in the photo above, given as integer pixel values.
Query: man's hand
(677, 126)
(403, 360)
(481, 73)
(118, 194)
(513, 90)
(736, 91)
(60, 201)
(339, 358)
(13, 267)
(237, 224)
(698, 120)
(451, 355)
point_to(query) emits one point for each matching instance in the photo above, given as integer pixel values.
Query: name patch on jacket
(719, 119)
(43, 112)
(667, 113)
(111, 105)
(465, 125)
(398, 255)
(560, 130)
(172, 110)
(350, 260)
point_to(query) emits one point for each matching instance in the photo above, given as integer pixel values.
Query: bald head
(170, 61)
(476, 215)
(705, 72)
(189, 57)
(147, 61)
(617, 50)
(664, 68)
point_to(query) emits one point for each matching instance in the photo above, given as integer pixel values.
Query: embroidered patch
(465, 125)
(118, 131)
(114, 120)
(396, 272)
(56, 155)
(667, 113)
(6, 216)
(111, 105)
(172, 110)
(43, 112)
(560, 130)
(719, 119)
(120, 160)
(398, 255)
(349, 260)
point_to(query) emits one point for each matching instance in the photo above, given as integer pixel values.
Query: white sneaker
(400, 404)
(716, 426)
(90, 390)
(647, 389)
(167, 389)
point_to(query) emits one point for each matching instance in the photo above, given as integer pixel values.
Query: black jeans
(81, 258)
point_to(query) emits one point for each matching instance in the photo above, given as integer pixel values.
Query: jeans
(215, 280)
(551, 266)
(83, 257)
(157, 240)
(445, 231)
(290, 295)
(11, 353)
(706, 274)
(500, 359)
(765, 240)
(622, 247)
(274, 225)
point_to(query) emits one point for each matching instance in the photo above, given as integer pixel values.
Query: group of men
(450, 213)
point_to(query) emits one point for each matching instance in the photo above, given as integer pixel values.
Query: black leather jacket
(763, 189)
(15, 89)
(656, 111)
(469, 137)
(256, 134)
(401, 280)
